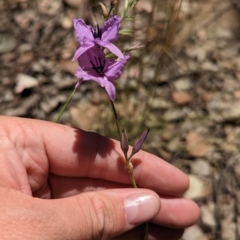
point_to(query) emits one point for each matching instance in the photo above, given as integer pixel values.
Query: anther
(97, 32)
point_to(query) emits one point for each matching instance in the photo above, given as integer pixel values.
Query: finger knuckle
(105, 216)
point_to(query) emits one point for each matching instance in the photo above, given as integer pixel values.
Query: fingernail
(140, 208)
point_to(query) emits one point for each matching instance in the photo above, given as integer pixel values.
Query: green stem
(109, 12)
(128, 166)
(116, 119)
(64, 106)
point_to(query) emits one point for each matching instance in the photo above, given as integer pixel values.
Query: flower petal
(81, 74)
(82, 50)
(82, 30)
(138, 144)
(79, 83)
(111, 91)
(124, 142)
(110, 28)
(114, 69)
(93, 55)
(111, 47)
(86, 76)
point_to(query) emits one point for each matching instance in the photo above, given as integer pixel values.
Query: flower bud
(138, 144)
(113, 3)
(124, 142)
(104, 10)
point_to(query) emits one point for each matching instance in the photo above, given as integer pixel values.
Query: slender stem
(110, 10)
(135, 186)
(145, 231)
(116, 119)
(129, 165)
(133, 180)
(64, 106)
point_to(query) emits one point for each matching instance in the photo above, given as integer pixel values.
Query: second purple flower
(93, 65)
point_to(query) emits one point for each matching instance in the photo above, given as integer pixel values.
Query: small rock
(99, 97)
(160, 103)
(216, 105)
(66, 82)
(25, 58)
(224, 111)
(207, 215)
(68, 66)
(174, 144)
(49, 7)
(174, 115)
(233, 113)
(24, 107)
(194, 233)
(237, 94)
(209, 66)
(230, 84)
(25, 47)
(8, 96)
(197, 188)
(132, 84)
(66, 54)
(196, 145)
(228, 231)
(183, 84)
(236, 161)
(133, 72)
(24, 82)
(201, 168)
(197, 52)
(51, 103)
(22, 20)
(37, 67)
(222, 32)
(66, 22)
(181, 97)
(7, 43)
(7, 58)
(168, 131)
(148, 74)
(202, 35)
(85, 115)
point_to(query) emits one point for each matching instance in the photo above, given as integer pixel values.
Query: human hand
(57, 182)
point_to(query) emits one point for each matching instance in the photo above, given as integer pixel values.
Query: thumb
(103, 214)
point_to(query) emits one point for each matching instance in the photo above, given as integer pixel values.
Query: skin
(57, 182)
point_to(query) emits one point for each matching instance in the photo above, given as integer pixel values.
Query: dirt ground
(183, 83)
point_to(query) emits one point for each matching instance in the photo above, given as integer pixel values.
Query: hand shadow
(94, 144)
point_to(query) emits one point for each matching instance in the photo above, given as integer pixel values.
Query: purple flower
(93, 65)
(89, 36)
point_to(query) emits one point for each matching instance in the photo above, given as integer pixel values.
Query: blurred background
(183, 82)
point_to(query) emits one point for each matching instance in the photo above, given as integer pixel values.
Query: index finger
(76, 153)
(87, 154)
